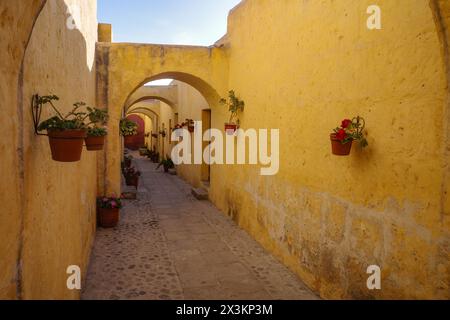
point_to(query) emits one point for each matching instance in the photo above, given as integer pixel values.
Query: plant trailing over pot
(95, 139)
(350, 130)
(167, 164)
(234, 106)
(108, 211)
(128, 128)
(132, 176)
(66, 133)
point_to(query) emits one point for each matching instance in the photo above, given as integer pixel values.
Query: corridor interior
(171, 246)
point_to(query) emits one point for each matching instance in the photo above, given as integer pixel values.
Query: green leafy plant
(167, 163)
(109, 203)
(74, 120)
(97, 117)
(97, 132)
(352, 130)
(234, 105)
(128, 128)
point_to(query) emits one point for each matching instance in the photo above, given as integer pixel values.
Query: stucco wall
(302, 66)
(14, 41)
(190, 106)
(55, 217)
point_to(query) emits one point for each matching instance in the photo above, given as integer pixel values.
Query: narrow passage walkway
(169, 245)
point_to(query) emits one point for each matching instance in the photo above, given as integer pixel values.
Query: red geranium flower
(346, 123)
(341, 135)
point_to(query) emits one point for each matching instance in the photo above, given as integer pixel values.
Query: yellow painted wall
(13, 13)
(54, 220)
(163, 115)
(303, 66)
(190, 106)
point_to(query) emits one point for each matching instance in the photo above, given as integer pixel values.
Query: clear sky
(193, 22)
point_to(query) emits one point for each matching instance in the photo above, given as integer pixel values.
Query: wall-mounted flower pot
(338, 148)
(230, 128)
(108, 218)
(67, 145)
(94, 143)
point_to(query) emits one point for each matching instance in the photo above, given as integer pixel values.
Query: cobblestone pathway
(169, 245)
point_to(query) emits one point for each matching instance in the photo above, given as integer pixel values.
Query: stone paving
(170, 246)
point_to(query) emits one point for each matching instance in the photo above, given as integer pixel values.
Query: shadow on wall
(11, 12)
(55, 223)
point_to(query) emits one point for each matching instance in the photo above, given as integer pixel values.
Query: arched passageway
(204, 70)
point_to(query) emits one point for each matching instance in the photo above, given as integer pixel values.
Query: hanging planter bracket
(36, 111)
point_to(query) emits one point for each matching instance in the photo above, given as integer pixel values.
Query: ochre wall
(14, 42)
(53, 223)
(190, 106)
(303, 66)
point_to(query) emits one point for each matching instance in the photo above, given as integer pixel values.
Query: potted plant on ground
(132, 176)
(234, 106)
(127, 161)
(108, 211)
(143, 151)
(66, 133)
(128, 129)
(95, 139)
(350, 130)
(167, 164)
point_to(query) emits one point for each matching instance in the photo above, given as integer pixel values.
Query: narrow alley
(168, 245)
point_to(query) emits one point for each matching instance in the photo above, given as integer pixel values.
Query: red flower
(346, 123)
(341, 135)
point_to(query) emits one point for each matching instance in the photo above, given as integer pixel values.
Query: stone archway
(124, 68)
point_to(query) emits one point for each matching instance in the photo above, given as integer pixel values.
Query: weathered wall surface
(14, 41)
(54, 217)
(314, 63)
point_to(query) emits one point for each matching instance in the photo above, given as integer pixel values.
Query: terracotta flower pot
(108, 218)
(338, 148)
(129, 139)
(94, 143)
(66, 145)
(230, 128)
